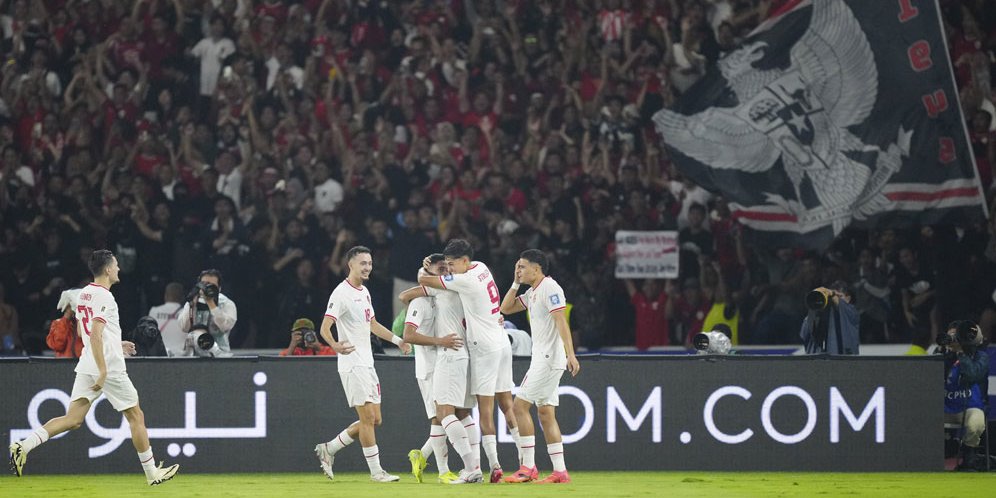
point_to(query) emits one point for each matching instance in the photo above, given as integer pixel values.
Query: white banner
(646, 254)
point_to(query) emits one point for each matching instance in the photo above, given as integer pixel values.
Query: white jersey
(542, 301)
(96, 303)
(449, 320)
(174, 337)
(422, 315)
(352, 311)
(481, 306)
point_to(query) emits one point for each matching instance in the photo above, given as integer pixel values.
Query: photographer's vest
(957, 398)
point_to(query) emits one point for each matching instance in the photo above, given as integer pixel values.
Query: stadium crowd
(263, 138)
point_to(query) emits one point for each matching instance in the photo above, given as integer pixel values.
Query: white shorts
(450, 382)
(361, 385)
(491, 373)
(428, 399)
(117, 387)
(540, 386)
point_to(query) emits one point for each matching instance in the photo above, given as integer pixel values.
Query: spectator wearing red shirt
(650, 304)
(691, 308)
(304, 341)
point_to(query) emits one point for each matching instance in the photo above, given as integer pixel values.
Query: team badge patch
(448, 278)
(554, 299)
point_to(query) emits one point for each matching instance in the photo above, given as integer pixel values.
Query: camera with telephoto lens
(714, 342)
(967, 334)
(204, 343)
(818, 299)
(210, 291)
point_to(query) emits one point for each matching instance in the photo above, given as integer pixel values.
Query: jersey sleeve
(417, 311)
(431, 292)
(102, 306)
(336, 306)
(553, 298)
(458, 282)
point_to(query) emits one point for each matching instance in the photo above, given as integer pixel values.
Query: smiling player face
(361, 265)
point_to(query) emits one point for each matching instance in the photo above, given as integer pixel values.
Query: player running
(490, 351)
(351, 310)
(101, 370)
(553, 351)
(420, 330)
(451, 378)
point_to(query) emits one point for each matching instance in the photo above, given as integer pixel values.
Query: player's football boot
(496, 475)
(161, 475)
(325, 458)
(448, 477)
(17, 459)
(383, 476)
(418, 464)
(468, 477)
(524, 474)
(556, 478)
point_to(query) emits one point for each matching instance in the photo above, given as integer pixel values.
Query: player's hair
(538, 257)
(99, 260)
(436, 257)
(174, 292)
(458, 248)
(356, 251)
(211, 272)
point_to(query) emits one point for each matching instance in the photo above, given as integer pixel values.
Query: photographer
(207, 307)
(304, 341)
(832, 325)
(966, 367)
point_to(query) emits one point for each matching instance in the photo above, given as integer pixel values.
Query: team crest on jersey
(448, 278)
(554, 299)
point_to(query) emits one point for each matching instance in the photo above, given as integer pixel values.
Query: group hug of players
(463, 358)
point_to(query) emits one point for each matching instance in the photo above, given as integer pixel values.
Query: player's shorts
(361, 385)
(425, 387)
(450, 382)
(491, 373)
(540, 385)
(117, 387)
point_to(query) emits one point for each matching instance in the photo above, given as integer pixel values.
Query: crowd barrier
(265, 414)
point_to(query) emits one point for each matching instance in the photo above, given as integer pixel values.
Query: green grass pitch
(585, 484)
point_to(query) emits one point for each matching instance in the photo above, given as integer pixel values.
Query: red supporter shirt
(651, 322)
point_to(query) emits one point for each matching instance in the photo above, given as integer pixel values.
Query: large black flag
(832, 113)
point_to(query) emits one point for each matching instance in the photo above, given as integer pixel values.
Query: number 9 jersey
(96, 303)
(481, 304)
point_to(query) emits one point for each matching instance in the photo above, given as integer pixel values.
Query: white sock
(148, 462)
(491, 449)
(518, 443)
(372, 454)
(341, 441)
(437, 440)
(556, 451)
(39, 436)
(528, 451)
(427, 446)
(458, 438)
(474, 438)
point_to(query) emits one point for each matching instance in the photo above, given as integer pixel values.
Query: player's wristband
(397, 340)
(515, 286)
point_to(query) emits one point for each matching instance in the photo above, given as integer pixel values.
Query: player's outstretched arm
(431, 281)
(560, 319)
(343, 347)
(380, 331)
(409, 295)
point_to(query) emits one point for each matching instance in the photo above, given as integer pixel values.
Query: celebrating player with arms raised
(553, 351)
